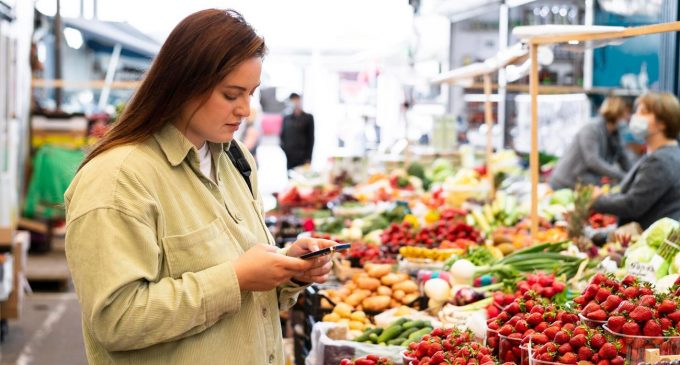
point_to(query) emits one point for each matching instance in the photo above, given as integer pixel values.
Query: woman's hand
(320, 266)
(263, 268)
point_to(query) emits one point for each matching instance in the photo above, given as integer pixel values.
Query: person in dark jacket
(651, 190)
(297, 134)
(596, 150)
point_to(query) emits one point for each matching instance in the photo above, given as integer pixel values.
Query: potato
(378, 303)
(378, 271)
(354, 299)
(394, 304)
(358, 316)
(351, 286)
(384, 290)
(368, 283)
(390, 279)
(354, 325)
(410, 298)
(331, 317)
(357, 276)
(344, 320)
(398, 294)
(344, 310)
(343, 292)
(408, 286)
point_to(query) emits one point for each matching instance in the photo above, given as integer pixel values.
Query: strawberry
(541, 327)
(597, 341)
(568, 358)
(578, 341)
(646, 290)
(545, 358)
(580, 331)
(629, 280)
(617, 361)
(602, 294)
(615, 323)
(558, 286)
(581, 301)
(592, 307)
(665, 323)
(652, 329)
(534, 319)
(598, 315)
(506, 330)
(627, 306)
(631, 329)
(641, 314)
(585, 353)
(591, 290)
(603, 362)
(550, 332)
(666, 306)
(569, 327)
(437, 358)
(612, 302)
(537, 309)
(521, 326)
(565, 348)
(513, 308)
(608, 351)
(539, 338)
(549, 317)
(599, 278)
(548, 292)
(675, 317)
(631, 292)
(648, 301)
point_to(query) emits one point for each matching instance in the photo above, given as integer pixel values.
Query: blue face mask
(638, 127)
(626, 135)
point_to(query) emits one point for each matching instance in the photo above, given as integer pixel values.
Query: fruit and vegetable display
(478, 288)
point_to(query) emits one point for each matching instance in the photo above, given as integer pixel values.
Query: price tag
(645, 270)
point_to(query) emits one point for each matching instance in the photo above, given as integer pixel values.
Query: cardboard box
(11, 308)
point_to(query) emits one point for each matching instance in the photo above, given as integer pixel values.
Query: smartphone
(326, 251)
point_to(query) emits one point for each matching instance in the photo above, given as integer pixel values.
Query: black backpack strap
(239, 160)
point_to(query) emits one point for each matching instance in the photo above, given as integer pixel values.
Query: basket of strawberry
(650, 322)
(368, 360)
(582, 345)
(448, 346)
(604, 294)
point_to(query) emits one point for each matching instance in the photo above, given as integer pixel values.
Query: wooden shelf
(557, 89)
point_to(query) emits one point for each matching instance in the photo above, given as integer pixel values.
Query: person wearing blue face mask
(596, 150)
(651, 189)
(634, 146)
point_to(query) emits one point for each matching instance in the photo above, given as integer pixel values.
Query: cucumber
(390, 333)
(396, 341)
(408, 332)
(373, 338)
(366, 335)
(414, 324)
(408, 342)
(419, 334)
(399, 322)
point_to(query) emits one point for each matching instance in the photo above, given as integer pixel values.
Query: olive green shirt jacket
(150, 243)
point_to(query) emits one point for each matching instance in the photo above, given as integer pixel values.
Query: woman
(166, 242)
(651, 190)
(596, 151)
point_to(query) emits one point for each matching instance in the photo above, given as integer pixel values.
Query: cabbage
(640, 252)
(562, 197)
(659, 231)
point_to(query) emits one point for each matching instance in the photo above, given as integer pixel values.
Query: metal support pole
(110, 72)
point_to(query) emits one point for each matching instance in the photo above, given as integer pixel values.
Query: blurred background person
(596, 151)
(651, 190)
(297, 134)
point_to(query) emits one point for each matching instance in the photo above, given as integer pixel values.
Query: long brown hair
(198, 54)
